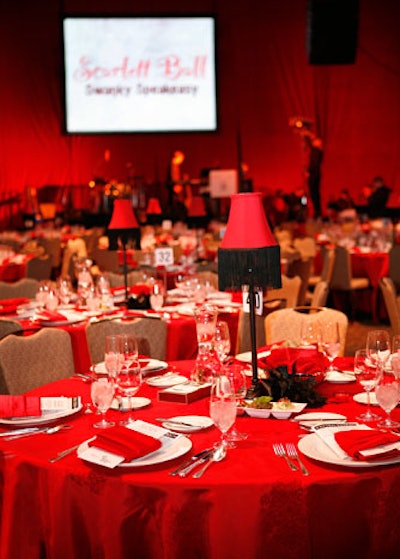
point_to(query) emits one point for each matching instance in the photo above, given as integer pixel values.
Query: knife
(182, 423)
(190, 461)
(19, 431)
(198, 462)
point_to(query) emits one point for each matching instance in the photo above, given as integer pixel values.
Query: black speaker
(332, 30)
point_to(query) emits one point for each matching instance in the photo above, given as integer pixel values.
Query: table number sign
(163, 256)
(259, 301)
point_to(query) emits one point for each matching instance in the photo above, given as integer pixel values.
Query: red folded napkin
(355, 441)
(52, 316)
(9, 306)
(19, 406)
(303, 361)
(126, 442)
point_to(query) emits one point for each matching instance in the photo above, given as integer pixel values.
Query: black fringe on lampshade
(260, 267)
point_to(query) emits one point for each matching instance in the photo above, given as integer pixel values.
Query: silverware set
(206, 457)
(291, 456)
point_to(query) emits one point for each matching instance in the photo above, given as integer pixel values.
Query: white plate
(71, 318)
(168, 451)
(199, 422)
(169, 379)
(313, 447)
(340, 377)
(136, 402)
(317, 417)
(275, 411)
(361, 398)
(152, 365)
(246, 356)
(44, 419)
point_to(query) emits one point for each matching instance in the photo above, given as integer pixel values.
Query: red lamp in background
(154, 211)
(197, 215)
(124, 226)
(249, 256)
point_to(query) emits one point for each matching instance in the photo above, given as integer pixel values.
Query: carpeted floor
(357, 334)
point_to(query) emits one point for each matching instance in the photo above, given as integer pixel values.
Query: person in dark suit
(379, 197)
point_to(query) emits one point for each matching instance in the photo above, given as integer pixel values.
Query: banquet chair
(392, 302)
(27, 362)
(52, 246)
(394, 266)
(328, 260)
(285, 324)
(289, 291)
(106, 260)
(75, 249)
(118, 280)
(209, 277)
(151, 334)
(39, 267)
(25, 287)
(243, 341)
(8, 326)
(306, 246)
(302, 269)
(320, 294)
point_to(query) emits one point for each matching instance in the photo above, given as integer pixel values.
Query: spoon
(218, 455)
(46, 431)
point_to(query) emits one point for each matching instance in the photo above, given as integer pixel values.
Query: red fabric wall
(263, 79)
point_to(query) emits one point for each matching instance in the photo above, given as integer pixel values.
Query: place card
(59, 403)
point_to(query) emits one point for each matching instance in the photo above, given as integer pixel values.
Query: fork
(292, 451)
(280, 451)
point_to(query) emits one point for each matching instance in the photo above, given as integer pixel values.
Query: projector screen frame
(205, 15)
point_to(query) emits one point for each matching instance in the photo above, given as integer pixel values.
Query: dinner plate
(200, 422)
(152, 365)
(170, 449)
(340, 377)
(313, 447)
(361, 398)
(44, 419)
(137, 402)
(246, 356)
(169, 379)
(275, 412)
(71, 317)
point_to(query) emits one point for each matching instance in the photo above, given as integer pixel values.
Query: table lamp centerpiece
(249, 257)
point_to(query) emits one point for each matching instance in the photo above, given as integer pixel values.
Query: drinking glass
(157, 296)
(387, 392)
(366, 377)
(310, 333)
(236, 375)
(129, 378)
(222, 340)
(223, 407)
(112, 355)
(102, 394)
(330, 342)
(378, 347)
(206, 320)
(64, 287)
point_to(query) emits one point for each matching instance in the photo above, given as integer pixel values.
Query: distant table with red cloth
(11, 271)
(248, 506)
(374, 266)
(181, 338)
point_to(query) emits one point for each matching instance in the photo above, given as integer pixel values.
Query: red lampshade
(123, 216)
(153, 206)
(247, 225)
(197, 207)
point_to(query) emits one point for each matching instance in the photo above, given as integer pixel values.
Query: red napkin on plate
(19, 406)
(306, 361)
(9, 306)
(355, 441)
(52, 316)
(126, 442)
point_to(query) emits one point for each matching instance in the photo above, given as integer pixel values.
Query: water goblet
(330, 342)
(64, 289)
(378, 347)
(387, 392)
(157, 296)
(223, 407)
(112, 355)
(129, 381)
(222, 340)
(236, 375)
(366, 377)
(102, 394)
(310, 333)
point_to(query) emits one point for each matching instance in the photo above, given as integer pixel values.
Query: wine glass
(112, 355)
(222, 340)
(157, 296)
(310, 333)
(236, 375)
(387, 392)
(102, 394)
(64, 287)
(366, 377)
(330, 342)
(378, 347)
(223, 407)
(129, 378)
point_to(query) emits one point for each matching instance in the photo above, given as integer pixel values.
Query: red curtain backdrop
(263, 79)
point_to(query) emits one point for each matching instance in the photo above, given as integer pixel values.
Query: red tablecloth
(12, 272)
(249, 506)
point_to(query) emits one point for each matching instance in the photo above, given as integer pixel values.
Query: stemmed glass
(366, 377)
(310, 333)
(102, 394)
(387, 392)
(330, 342)
(112, 356)
(129, 378)
(64, 287)
(222, 340)
(157, 296)
(237, 378)
(223, 407)
(378, 347)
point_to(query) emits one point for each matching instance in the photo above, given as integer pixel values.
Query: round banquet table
(248, 506)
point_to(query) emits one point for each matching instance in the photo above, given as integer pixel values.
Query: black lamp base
(255, 390)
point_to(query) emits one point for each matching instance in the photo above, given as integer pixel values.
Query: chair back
(106, 260)
(209, 277)
(285, 324)
(52, 246)
(8, 326)
(290, 291)
(392, 303)
(243, 341)
(306, 246)
(328, 262)
(301, 268)
(341, 272)
(394, 265)
(151, 334)
(25, 287)
(320, 294)
(39, 267)
(27, 362)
